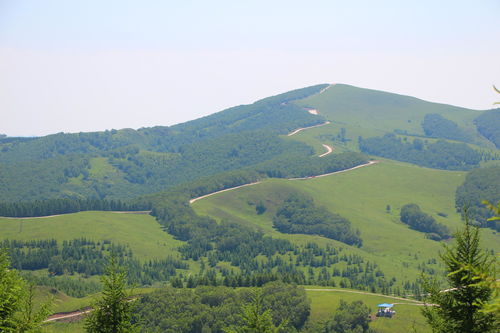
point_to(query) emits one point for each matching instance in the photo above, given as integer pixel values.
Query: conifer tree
(459, 308)
(113, 312)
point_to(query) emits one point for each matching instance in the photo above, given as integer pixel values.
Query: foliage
(17, 308)
(65, 206)
(437, 126)
(127, 163)
(298, 214)
(439, 155)
(255, 318)
(86, 257)
(349, 318)
(412, 215)
(212, 309)
(458, 308)
(480, 184)
(488, 124)
(10, 294)
(113, 312)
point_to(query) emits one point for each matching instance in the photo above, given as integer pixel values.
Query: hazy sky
(71, 66)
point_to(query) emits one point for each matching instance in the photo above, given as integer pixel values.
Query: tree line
(439, 155)
(65, 206)
(299, 215)
(413, 216)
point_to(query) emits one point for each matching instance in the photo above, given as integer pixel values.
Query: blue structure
(385, 310)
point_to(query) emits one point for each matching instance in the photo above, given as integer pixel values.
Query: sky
(91, 65)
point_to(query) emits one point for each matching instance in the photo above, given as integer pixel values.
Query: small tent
(385, 310)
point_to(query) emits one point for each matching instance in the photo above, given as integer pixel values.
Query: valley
(218, 189)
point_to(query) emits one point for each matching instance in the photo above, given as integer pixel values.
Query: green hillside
(361, 196)
(139, 231)
(383, 111)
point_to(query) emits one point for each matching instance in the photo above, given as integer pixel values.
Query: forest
(436, 126)
(299, 215)
(488, 124)
(439, 155)
(415, 218)
(479, 185)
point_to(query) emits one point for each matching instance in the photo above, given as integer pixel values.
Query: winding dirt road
(328, 148)
(306, 128)
(217, 192)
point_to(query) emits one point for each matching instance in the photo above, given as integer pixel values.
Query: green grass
(324, 304)
(377, 111)
(362, 196)
(141, 232)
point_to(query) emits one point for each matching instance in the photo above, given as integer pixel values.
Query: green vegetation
(480, 184)
(126, 163)
(112, 313)
(118, 228)
(488, 124)
(412, 215)
(298, 215)
(459, 307)
(213, 308)
(349, 317)
(65, 206)
(436, 126)
(439, 155)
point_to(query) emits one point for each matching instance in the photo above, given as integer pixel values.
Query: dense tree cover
(295, 165)
(488, 124)
(213, 309)
(437, 126)
(349, 318)
(440, 154)
(66, 205)
(480, 184)
(412, 215)
(17, 308)
(459, 306)
(299, 215)
(212, 243)
(86, 257)
(126, 163)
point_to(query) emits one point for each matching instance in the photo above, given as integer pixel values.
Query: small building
(385, 310)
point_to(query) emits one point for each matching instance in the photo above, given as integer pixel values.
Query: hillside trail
(138, 212)
(328, 148)
(227, 189)
(413, 302)
(306, 128)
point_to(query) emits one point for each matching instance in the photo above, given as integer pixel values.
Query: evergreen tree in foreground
(459, 308)
(255, 319)
(112, 313)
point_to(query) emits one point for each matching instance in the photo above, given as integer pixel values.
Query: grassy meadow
(362, 196)
(139, 231)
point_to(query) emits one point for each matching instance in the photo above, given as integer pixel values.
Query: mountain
(122, 164)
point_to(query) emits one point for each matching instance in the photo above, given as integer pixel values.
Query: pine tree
(458, 308)
(113, 312)
(10, 294)
(255, 318)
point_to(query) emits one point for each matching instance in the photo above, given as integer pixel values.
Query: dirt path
(335, 172)
(66, 315)
(108, 211)
(328, 148)
(414, 302)
(305, 128)
(227, 189)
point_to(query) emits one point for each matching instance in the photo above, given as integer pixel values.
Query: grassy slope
(141, 232)
(324, 304)
(360, 195)
(367, 113)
